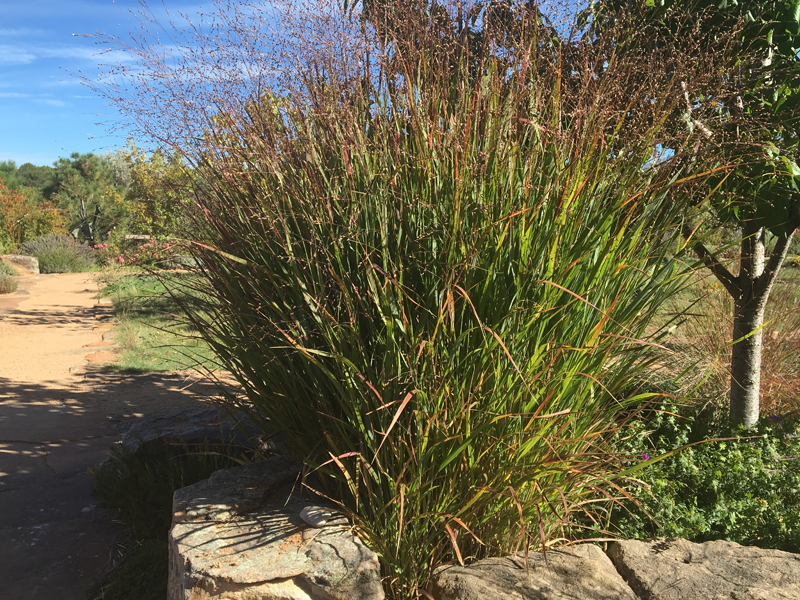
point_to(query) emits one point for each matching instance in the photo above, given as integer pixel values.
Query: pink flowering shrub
(105, 254)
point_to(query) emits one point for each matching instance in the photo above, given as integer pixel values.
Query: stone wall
(253, 533)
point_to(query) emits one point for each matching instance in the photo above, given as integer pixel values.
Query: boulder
(28, 263)
(683, 570)
(190, 426)
(239, 536)
(582, 571)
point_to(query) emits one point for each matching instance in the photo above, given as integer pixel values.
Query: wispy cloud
(51, 102)
(13, 95)
(14, 55)
(24, 54)
(20, 32)
(71, 82)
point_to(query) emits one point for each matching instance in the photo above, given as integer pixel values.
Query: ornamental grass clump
(431, 264)
(59, 253)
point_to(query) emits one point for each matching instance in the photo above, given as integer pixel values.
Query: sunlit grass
(151, 334)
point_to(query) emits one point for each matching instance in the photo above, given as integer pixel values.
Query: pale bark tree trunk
(748, 318)
(750, 291)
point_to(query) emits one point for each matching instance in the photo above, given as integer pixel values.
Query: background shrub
(744, 490)
(701, 353)
(8, 283)
(23, 217)
(60, 254)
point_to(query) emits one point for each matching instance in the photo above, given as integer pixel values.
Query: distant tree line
(93, 196)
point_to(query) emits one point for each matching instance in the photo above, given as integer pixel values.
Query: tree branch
(767, 278)
(719, 270)
(778, 255)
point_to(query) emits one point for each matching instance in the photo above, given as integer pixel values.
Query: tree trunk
(750, 291)
(746, 364)
(748, 317)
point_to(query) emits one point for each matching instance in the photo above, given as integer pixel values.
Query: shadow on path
(55, 539)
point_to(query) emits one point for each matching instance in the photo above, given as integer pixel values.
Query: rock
(29, 263)
(683, 570)
(575, 572)
(320, 516)
(239, 536)
(191, 426)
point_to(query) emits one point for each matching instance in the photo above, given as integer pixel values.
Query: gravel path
(58, 416)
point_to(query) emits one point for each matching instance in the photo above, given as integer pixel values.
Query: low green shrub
(138, 487)
(59, 254)
(7, 269)
(745, 490)
(8, 283)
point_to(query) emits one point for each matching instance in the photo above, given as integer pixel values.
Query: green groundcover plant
(58, 253)
(745, 489)
(7, 269)
(138, 487)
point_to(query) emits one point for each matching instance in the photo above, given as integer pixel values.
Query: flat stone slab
(718, 570)
(191, 426)
(239, 535)
(576, 572)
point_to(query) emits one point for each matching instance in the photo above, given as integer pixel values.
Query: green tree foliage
(85, 182)
(757, 142)
(41, 180)
(159, 197)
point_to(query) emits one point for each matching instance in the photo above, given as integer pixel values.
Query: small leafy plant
(60, 254)
(7, 269)
(745, 489)
(138, 487)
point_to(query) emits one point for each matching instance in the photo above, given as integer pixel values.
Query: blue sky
(45, 112)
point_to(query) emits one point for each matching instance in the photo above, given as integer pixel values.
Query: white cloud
(21, 32)
(27, 53)
(13, 95)
(62, 82)
(83, 53)
(51, 102)
(14, 55)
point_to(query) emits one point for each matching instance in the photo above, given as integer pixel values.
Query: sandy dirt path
(58, 416)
